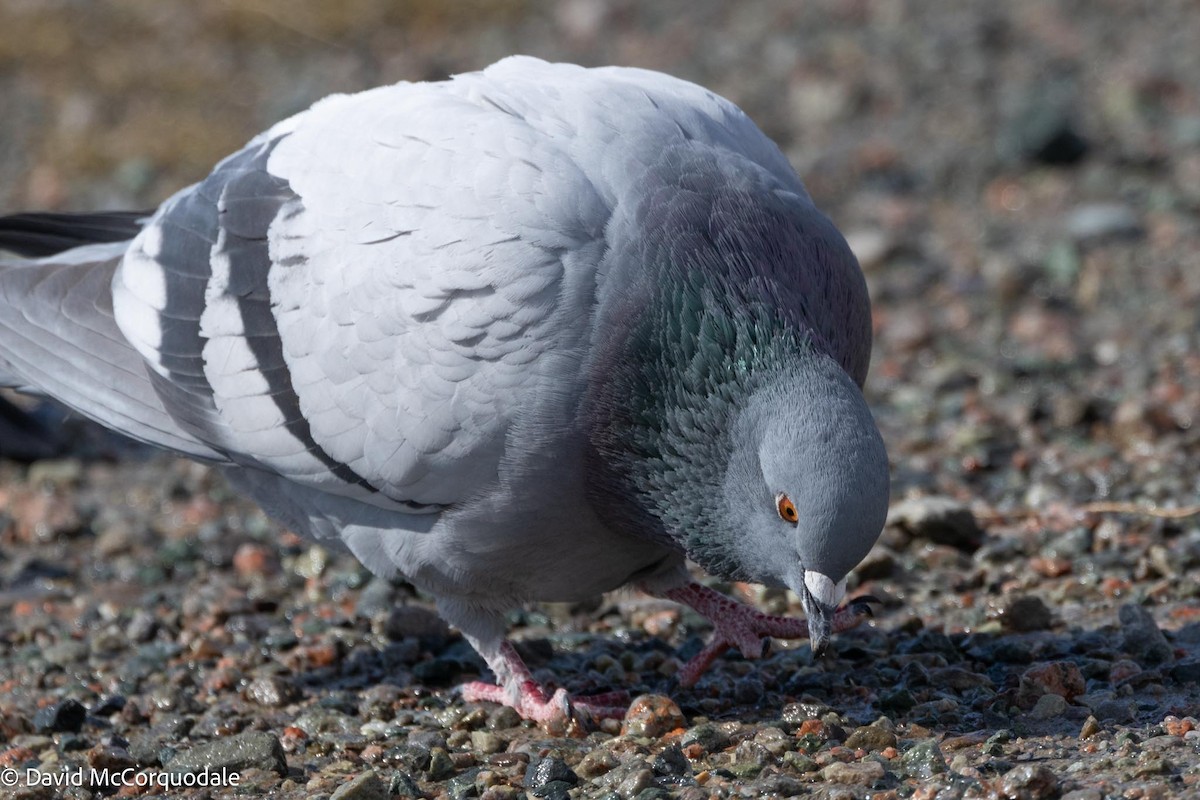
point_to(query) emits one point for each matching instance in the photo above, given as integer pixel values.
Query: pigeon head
(805, 492)
(749, 448)
(725, 408)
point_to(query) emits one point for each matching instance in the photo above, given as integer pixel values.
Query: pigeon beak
(820, 597)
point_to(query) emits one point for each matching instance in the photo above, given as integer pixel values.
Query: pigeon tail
(58, 337)
(36, 235)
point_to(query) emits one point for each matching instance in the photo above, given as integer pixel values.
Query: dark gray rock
(636, 782)
(440, 766)
(923, 760)
(1186, 671)
(546, 770)
(65, 715)
(1029, 782)
(253, 749)
(672, 763)
(416, 622)
(462, 786)
(749, 689)
(318, 722)
(1026, 613)
(402, 785)
(367, 786)
(940, 520)
(1122, 711)
(553, 790)
(108, 705)
(151, 749)
(653, 793)
(271, 691)
(1141, 638)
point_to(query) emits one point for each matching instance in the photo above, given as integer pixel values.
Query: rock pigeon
(531, 333)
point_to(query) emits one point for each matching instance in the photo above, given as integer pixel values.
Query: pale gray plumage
(486, 332)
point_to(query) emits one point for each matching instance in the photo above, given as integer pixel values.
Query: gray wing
(360, 300)
(192, 296)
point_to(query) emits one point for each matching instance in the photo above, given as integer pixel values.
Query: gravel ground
(1022, 184)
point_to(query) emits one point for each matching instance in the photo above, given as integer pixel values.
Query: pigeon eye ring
(786, 508)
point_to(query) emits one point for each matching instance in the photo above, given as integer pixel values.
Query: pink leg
(737, 624)
(518, 689)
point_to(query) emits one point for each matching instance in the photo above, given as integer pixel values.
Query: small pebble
(486, 742)
(1179, 727)
(271, 692)
(1141, 637)
(708, 738)
(65, 715)
(596, 763)
(636, 782)
(672, 763)
(1088, 223)
(923, 760)
(503, 718)
(1062, 678)
(1029, 782)
(367, 786)
(1048, 706)
(110, 757)
(939, 520)
(862, 773)
(549, 769)
(252, 560)
(1123, 670)
(417, 622)
(1026, 613)
(652, 716)
(440, 765)
(402, 785)
(871, 737)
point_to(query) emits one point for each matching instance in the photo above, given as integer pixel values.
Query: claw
(740, 626)
(862, 605)
(562, 702)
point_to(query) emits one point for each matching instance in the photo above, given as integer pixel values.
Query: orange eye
(786, 508)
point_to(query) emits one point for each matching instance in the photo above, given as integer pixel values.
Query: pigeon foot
(518, 690)
(532, 704)
(739, 625)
